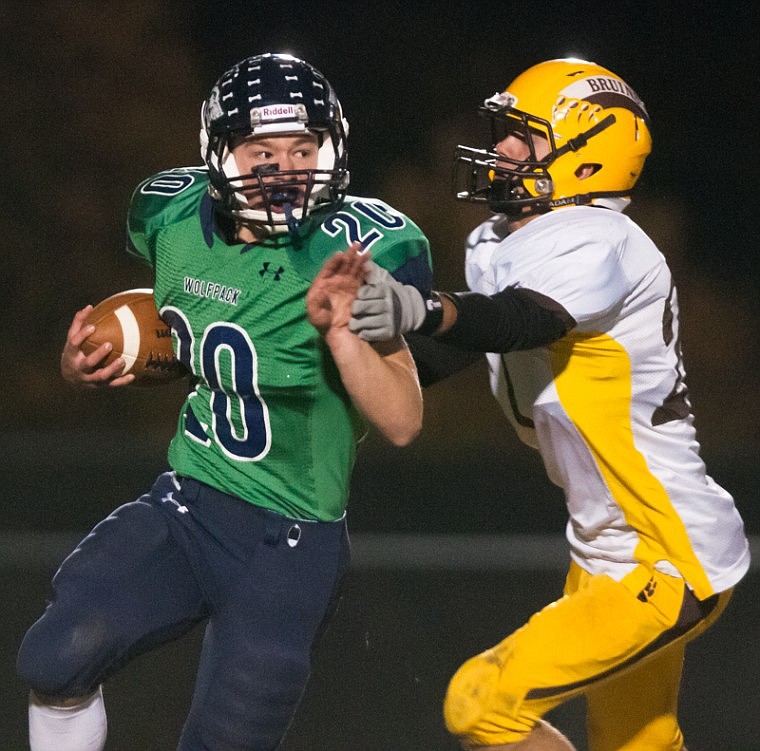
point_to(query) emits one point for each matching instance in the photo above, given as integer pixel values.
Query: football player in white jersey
(578, 312)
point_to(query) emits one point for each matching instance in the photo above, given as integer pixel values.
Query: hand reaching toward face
(329, 300)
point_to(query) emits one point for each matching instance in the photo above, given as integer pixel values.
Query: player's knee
(56, 662)
(483, 707)
(469, 693)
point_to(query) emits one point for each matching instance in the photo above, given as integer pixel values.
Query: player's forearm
(382, 383)
(512, 319)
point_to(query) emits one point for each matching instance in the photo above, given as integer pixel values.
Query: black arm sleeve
(512, 319)
(436, 360)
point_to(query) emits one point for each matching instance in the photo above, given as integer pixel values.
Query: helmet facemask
(515, 187)
(269, 196)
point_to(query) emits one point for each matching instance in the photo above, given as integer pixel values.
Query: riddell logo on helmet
(278, 112)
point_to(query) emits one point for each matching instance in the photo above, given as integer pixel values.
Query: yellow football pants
(621, 644)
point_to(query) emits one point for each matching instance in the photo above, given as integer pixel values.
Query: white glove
(385, 308)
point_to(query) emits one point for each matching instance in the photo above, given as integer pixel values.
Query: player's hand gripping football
(328, 301)
(385, 308)
(84, 371)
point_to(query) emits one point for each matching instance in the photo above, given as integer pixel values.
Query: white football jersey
(607, 405)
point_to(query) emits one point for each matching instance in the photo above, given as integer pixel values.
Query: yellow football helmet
(596, 127)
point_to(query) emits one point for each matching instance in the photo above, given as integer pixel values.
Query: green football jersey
(267, 418)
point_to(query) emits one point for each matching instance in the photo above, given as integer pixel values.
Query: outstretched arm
(380, 377)
(511, 319)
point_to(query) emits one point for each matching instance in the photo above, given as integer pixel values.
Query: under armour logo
(647, 593)
(169, 498)
(266, 270)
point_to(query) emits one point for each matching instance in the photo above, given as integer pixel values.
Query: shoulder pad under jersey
(160, 200)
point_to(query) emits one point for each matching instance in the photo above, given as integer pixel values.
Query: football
(130, 321)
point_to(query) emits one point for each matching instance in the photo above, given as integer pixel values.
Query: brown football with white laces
(131, 322)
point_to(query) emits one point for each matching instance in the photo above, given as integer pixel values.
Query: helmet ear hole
(587, 169)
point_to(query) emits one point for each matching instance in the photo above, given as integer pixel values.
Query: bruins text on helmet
(272, 95)
(597, 132)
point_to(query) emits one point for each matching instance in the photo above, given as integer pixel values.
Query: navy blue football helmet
(274, 94)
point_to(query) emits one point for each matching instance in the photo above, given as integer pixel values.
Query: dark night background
(99, 94)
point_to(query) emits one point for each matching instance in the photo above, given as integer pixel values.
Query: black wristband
(433, 315)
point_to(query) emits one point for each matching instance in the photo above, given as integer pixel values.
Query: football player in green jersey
(246, 532)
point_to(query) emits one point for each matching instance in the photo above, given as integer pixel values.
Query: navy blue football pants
(177, 556)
